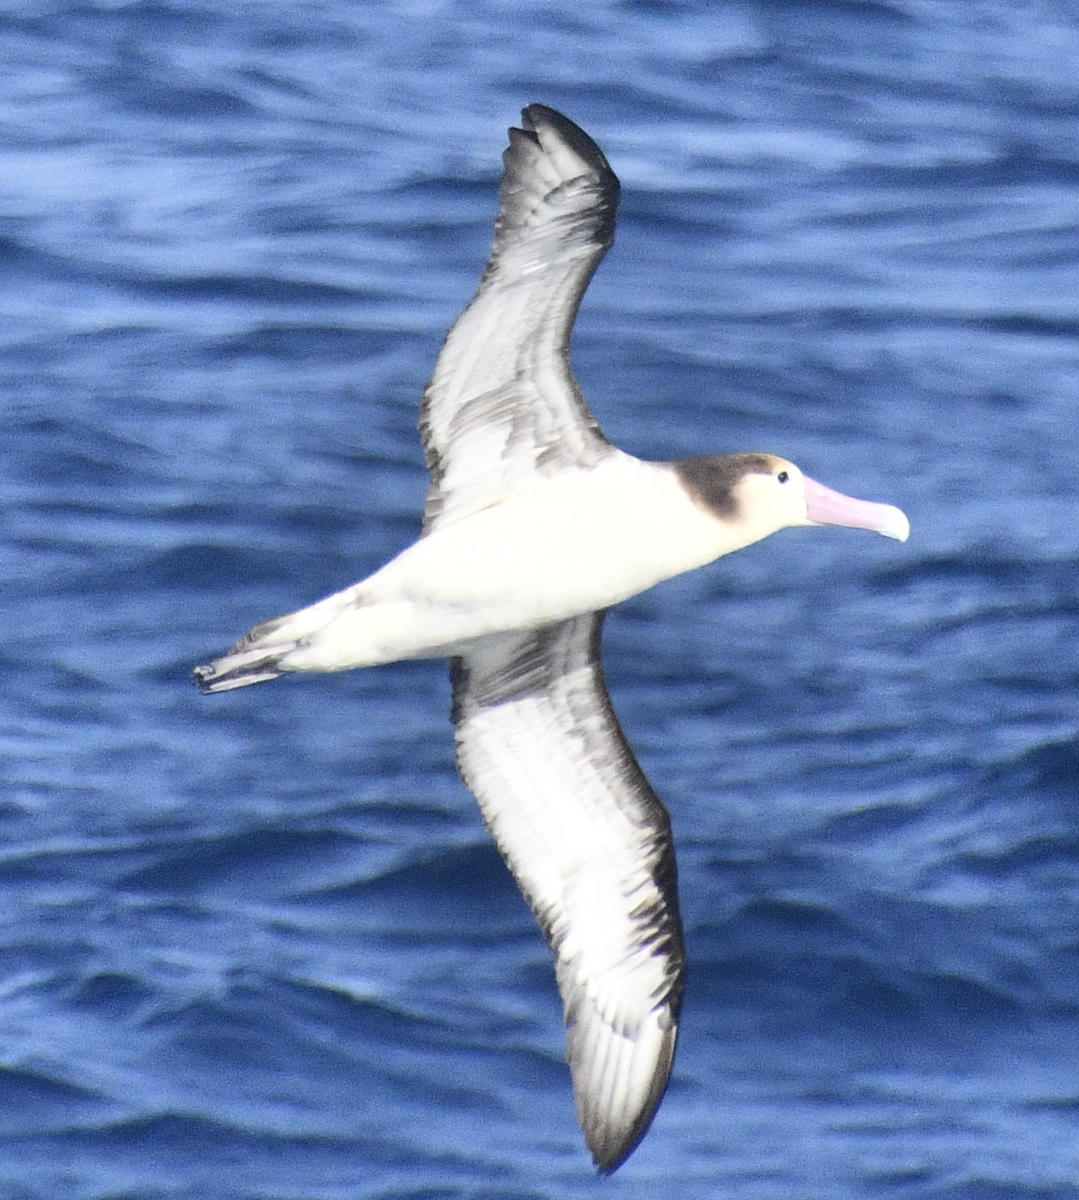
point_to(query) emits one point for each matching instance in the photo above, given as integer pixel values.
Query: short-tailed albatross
(534, 525)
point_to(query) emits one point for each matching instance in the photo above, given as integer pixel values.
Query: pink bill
(825, 507)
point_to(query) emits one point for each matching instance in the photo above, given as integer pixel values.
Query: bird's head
(764, 493)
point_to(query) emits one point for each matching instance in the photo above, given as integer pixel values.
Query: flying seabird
(534, 525)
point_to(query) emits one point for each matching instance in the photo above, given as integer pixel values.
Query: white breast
(580, 541)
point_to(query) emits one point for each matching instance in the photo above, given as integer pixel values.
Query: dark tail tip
(218, 676)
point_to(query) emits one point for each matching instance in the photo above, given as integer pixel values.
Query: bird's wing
(589, 843)
(503, 406)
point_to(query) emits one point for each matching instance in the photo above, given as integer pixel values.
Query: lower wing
(589, 843)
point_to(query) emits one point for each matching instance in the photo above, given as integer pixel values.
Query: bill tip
(896, 525)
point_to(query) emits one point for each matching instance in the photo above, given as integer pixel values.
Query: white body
(575, 543)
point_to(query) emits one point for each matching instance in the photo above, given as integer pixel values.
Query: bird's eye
(783, 476)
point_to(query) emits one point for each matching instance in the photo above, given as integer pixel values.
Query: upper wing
(590, 845)
(503, 405)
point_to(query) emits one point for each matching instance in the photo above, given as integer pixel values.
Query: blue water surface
(259, 946)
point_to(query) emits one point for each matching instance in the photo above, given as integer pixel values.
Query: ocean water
(259, 946)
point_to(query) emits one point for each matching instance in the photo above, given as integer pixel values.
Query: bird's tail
(291, 643)
(255, 658)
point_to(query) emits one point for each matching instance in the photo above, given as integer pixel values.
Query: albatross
(533, 527)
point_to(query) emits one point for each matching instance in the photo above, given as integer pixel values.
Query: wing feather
(503, 405)
(589, 843)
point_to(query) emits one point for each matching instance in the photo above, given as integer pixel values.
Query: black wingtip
(534, 116)
(608, 1159)
(611, 1148)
